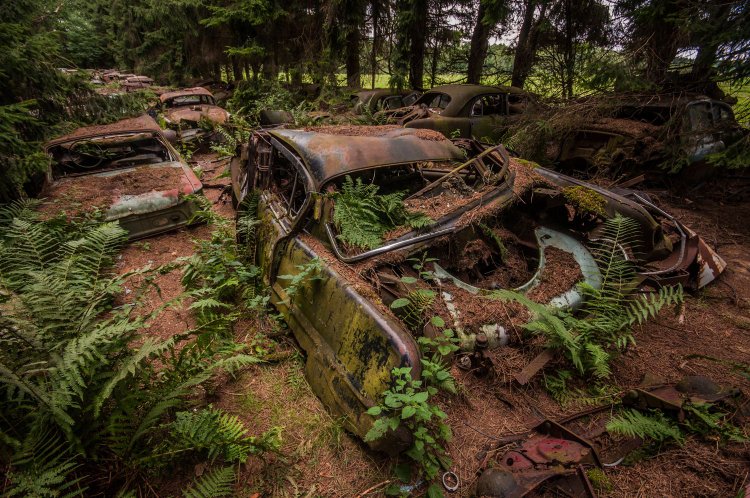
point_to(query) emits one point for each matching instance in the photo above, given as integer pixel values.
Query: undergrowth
(88, 404)
(588, 337)
(410, 402)
(362, 216)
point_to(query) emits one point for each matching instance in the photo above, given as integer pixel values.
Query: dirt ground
(318, 458)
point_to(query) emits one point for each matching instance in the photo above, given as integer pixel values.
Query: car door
(486, 114)
(274, 190)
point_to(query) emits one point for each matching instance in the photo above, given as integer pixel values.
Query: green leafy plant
(77, 374)
(652, 425)
(407, 404)
(707, 418)
(213, 484)
(362, 216)
(609, 312)
(307, 272)
(412, 308)
(232, 136)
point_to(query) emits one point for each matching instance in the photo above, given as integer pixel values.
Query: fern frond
(44, 468)
(644, 307)
(83, 356)
(29, 247)
(213, 484)
(149, 348)
(362, 216)
(217, 433)
(234, 364)
(85, 258)
(656, 426)
(23, 209)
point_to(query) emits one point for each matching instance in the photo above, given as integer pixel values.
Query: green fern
(705, 419)
(219, 434)
(655, 426)
(609, 312)
(47, 469)
(362, 216)
(213, 484)
(412, 308)
(246, 225)
(69, 364)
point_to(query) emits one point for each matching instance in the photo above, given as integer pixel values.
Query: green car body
(466, 111)
(341, 315)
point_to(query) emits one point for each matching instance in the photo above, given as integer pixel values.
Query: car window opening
(98, 154)
(186, 100)
(287, 184)
(435, 101)
(433, 188)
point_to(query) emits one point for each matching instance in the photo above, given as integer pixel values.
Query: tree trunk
(269, 68)
(708, 45)
(521, 61)
(662, 44)
(568, 53)
(236, 69)
(376, 39)
(479, 45)
(418, 36)
(352, 56)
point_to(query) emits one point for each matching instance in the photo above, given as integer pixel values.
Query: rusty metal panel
(330, 156)
(141, 123)
(186, 91)
(352, 347)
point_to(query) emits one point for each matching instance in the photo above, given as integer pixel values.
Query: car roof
(330, 156)
(141, 123)
(377, 92)
(198, 90)
(460, 94)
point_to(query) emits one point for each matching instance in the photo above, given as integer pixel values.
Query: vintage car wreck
(191, 113)
(645, 131)
(378, 99)
(478, 111)
(127, 171)
(496, 223)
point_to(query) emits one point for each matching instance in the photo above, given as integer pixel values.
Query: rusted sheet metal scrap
(553, 456)
(550, 454)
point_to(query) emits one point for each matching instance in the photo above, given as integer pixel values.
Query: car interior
(97, 154)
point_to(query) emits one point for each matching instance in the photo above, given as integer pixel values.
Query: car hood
(195, 113)
(165, 186)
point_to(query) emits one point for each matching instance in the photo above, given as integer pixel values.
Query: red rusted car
(127, 172)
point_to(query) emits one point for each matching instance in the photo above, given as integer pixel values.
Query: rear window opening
(435, 101)
(186, 100)
(430, 190)
(97, 154)
(456, 277)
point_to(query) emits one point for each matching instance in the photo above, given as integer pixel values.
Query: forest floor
(318, 458)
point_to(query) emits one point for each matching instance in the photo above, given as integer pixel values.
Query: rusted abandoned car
(192, 113)
(647, 131)
(379, 99)
(478, 111)
(137, 83)
(467, 215)
(127, 171)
